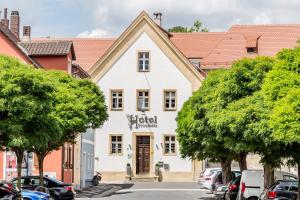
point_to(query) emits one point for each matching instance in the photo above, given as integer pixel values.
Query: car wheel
(253, 198)
(224, 197)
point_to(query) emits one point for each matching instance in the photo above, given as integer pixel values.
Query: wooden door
(68, 158)
(143, 155)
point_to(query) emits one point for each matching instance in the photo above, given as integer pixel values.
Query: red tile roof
(196, 45)
(217, 49)
(48, 48)
(14, 40)
(87, 50)
(270, 40)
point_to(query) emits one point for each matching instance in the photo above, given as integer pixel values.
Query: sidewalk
(102, 190)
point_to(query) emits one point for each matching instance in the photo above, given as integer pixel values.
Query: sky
(109, 18)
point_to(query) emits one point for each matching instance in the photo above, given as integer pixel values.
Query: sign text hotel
(136, 121)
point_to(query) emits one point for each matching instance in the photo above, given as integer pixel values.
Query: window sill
(173, 109)
(115, 154)
(116, 109)
(143, 70)
(170, 154)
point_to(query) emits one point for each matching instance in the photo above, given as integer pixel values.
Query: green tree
(281, 90)
(197, 27)
(79, 104)
(25, 100)
(196, 137)
(41, 110)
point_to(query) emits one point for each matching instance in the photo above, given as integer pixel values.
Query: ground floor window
(116, 144)
(169, 145)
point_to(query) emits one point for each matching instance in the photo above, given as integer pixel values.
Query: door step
(144, 179)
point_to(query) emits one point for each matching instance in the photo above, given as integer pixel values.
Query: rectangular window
(143, 100)
(170, 100)
(116, 144)
(170, 145)
(116, 99)
(143, 61)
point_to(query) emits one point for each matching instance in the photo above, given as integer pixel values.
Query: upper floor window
(170, 100)
(143, 61)
(116, 99)
(143, 100)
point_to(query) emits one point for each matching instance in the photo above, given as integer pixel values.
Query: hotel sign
(136, 121)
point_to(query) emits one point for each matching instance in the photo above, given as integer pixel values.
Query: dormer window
(251, 49)
(143, 61)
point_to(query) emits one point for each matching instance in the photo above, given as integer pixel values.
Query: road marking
(161, 189)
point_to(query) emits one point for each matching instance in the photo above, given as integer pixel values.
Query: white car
(252, 183)
(206, 173)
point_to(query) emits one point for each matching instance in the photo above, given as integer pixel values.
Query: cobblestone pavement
(146, 191)
(102, 190)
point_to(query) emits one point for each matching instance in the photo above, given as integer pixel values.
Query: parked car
(233, 189)
(252, 182)
(34, 195)
(9, 191)
(57, 189)
(283, 189)
(218, 184)
(215, 180)
(208, 181)
(206, 174)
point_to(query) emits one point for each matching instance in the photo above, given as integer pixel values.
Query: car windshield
(55, 180)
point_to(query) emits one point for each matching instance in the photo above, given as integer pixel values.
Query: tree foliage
(41, 110)
(197, 27)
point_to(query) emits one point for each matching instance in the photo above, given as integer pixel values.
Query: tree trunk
(268, 176)
(41, 158)
(298, 180)
(226, 170)
(20, 155)
(242, 159)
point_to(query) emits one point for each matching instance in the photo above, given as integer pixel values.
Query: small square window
(143, 61)
(251, 49)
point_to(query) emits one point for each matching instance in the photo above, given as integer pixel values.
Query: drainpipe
(81, 184)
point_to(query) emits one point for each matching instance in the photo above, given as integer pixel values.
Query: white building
(145, 80)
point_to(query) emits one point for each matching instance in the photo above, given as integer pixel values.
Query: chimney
(5, 21)
(26, 33)
(15, 23)
(157, 18)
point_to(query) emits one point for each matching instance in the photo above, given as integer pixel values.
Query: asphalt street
(149, 191)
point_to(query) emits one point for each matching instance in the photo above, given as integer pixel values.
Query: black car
(233, 189)
(8, 191)
(283, 189)
(57, 189)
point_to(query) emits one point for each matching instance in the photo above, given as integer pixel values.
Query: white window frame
(168, 145)
(119, 97)
(170, 98)
(143, 59)
(115, 150)
(143, 101)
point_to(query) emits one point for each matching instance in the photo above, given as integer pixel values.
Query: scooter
(97, 178)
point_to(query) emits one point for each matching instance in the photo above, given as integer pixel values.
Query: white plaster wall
(124, 75)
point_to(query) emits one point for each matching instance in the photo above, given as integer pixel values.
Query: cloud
(263, 18)
(99, 18)
(96, 33)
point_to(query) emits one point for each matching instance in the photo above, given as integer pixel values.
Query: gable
(144, 24)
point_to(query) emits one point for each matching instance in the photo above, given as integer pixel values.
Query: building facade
(145, 80)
